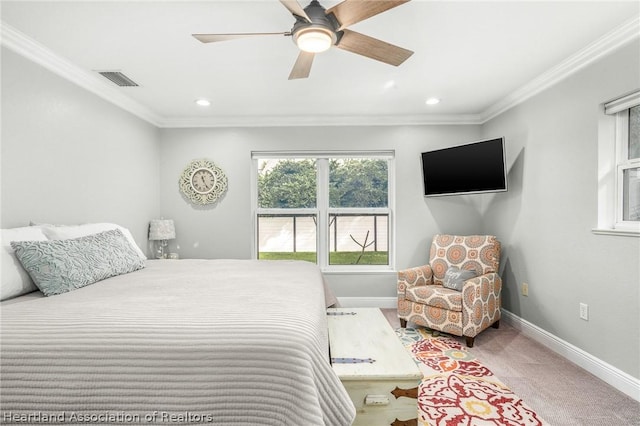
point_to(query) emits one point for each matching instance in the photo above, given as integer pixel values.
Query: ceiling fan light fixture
(314, 40)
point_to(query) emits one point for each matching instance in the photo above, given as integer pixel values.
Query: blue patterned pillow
(59, 266)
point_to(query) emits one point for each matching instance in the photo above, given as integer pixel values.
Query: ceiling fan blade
(294, 7)
(210, 38)
(373, 48)
(350, 12)
(302, 67)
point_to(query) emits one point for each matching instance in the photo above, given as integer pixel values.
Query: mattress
(188, 342)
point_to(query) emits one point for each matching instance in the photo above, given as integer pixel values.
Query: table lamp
(161, 230)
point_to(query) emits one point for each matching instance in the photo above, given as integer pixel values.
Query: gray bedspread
(179, 342)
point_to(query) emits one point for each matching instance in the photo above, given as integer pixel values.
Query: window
(334, 209)
(628, 166)
(622, 164)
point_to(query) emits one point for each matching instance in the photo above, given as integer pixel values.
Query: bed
(175, 341)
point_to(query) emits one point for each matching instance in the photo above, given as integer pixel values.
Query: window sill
(358, 271)
(616, 232)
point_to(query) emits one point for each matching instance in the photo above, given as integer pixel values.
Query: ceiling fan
(316, 29)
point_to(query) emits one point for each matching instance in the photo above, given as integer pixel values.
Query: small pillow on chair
(455, 277)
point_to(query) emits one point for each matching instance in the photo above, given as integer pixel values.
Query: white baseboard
(618, 379)
(368, 302)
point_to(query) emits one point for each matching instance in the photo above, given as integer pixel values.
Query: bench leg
(469, 341)
(496, 324)
(412, 422)
(403, 323)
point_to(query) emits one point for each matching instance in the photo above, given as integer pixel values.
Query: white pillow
(65, 232)
(15, 280)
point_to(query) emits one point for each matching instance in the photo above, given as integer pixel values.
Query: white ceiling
(478, 57)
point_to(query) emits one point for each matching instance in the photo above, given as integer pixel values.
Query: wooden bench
(377, 371)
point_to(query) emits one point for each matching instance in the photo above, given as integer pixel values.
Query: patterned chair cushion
(436, 296)
(478, 252)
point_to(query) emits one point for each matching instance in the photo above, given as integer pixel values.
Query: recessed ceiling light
(432, 101)
(203, 102)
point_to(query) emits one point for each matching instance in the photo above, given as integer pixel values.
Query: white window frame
(323, 210)
(623, 162)
(613, 160)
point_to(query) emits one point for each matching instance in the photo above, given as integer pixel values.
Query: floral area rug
(457, 389)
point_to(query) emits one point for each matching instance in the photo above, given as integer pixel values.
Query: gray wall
(545, 219)
(226, 229)
(68, 156)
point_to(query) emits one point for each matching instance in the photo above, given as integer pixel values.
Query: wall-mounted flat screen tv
(465, 169)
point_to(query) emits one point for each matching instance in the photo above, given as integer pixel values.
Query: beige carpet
(558, 390)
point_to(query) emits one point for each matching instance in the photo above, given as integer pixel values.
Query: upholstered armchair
(427, 294)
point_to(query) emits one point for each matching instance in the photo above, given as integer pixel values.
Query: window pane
(291, 237)
(634, 132)
(631, 194)
(358, 182)
(359, 239)
(289, 183)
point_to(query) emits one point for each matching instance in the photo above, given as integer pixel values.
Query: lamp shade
(162, 229)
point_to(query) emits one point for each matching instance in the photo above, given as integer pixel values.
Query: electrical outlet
(584, 311)
(525, 289)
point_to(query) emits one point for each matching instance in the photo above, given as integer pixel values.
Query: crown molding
(39, 54)
(610, 42)
(307, 121)
(34, 51)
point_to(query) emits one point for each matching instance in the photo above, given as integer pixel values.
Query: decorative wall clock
(202, 182)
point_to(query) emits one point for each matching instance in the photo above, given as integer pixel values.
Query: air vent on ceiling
(118, 78)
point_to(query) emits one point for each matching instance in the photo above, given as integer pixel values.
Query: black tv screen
(465, 169)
